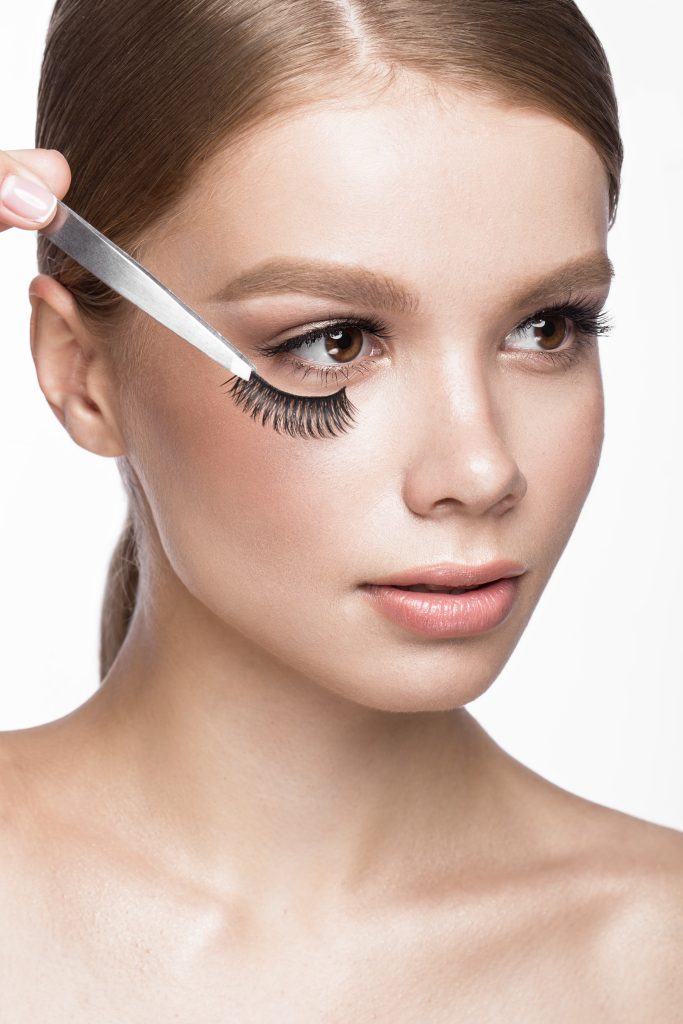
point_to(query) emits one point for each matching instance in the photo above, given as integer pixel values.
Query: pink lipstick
(448, 600)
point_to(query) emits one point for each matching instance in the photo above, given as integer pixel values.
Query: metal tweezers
(96, 253)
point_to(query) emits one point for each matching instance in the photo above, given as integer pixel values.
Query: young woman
(277, 806)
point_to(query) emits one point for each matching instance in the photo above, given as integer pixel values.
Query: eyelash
(331, 415)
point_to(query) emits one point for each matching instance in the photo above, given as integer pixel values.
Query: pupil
(342, 347)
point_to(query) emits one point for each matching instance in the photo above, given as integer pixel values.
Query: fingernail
(27, 199)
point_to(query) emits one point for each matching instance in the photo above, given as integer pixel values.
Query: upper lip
(448, 574)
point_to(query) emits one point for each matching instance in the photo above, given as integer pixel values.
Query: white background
(591, 697)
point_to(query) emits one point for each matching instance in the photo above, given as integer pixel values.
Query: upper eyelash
(372, 325)
(587, 316)
(585, 313)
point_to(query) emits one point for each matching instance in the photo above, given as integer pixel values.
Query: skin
(271, 773)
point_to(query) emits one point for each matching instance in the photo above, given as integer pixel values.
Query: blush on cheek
(254, 493)
(569, 476)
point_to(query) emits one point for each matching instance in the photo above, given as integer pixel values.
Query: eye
(312, 362)
(561, 335)
(336, 344)
(549, 331)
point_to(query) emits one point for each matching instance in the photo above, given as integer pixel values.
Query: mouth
(433, 610)
(447, 601)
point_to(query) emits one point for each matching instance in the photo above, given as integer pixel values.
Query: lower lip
(446, 615)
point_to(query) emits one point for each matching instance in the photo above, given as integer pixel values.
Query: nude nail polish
(27, 199)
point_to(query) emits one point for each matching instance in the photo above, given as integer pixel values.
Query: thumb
(30, 182)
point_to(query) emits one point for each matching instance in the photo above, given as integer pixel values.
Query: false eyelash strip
(298, 416)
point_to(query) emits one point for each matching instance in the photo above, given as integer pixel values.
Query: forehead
(404, 182)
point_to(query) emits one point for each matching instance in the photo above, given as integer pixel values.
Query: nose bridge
(461, 453)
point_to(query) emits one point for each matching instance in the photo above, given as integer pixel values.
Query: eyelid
(566, 299)
(374, 326)
(588, 315)
(579, 308)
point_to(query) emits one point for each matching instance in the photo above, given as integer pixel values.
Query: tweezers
(96, 253)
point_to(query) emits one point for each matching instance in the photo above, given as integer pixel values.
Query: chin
(412, 684)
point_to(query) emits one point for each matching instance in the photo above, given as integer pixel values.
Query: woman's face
(471, 442)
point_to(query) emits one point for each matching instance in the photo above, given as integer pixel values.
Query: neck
(252, 778)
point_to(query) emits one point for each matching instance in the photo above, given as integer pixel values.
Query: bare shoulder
(17, 812)
(648, 855)
(29, 786)
(13, 792)
(611, 884)
(638, 865)
(18, 896)
(648, 935)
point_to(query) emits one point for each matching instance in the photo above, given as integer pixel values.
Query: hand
(30, 179)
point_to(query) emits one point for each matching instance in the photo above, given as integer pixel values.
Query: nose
(460, 460)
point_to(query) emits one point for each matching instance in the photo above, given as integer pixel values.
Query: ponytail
(120, 592)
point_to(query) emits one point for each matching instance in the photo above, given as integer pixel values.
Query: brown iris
(344, 343)
(550, 338)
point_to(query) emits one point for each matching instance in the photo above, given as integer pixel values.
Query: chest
(120, 966)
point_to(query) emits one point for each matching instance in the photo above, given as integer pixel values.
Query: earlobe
(71, 369)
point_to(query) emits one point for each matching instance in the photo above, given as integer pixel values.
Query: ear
(72, 370)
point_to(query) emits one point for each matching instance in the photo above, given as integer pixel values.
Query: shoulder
(652, 920)
(29, 799)
(637, 866)
(614, 894)
(19, 883)
(17, 807)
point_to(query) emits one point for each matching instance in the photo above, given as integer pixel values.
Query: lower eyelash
(298, 416)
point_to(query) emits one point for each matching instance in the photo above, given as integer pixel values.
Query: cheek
(269, 531)
(562, 457)
(245, 514)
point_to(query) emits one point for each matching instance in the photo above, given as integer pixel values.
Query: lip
(450, 574)
(442, 615)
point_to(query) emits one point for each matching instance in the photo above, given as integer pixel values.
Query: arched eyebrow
(592, 271)
(365, 287)
(341, 281)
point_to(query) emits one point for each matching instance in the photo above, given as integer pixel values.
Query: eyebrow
(592, 271)
(363, 286)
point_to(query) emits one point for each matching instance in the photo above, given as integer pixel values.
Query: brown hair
(138, 93)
